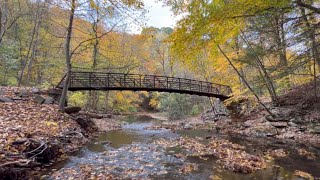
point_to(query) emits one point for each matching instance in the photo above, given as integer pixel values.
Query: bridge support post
(210, 100)
(108, 80)
(90, 78)
(218, 110)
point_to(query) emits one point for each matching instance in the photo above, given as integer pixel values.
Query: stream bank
(34, 135)
(139, 151)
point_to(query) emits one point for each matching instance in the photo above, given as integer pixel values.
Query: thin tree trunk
(314, 44)
(241, 71)
(211, 104)
(265, 74)
(308, 6)
(36, 41)
(242, 84)
(68, 57)
(314, 48)
(93, 95)
(3, 19)
(281, 43)
(247, 84)
(95, 49)
(25, 63)
(33, 53)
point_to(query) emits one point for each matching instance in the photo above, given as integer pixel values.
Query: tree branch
(308, 6)
(87, 40)
(244, 80)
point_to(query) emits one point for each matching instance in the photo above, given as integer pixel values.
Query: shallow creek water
(130, 149)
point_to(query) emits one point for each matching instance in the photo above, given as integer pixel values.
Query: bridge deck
(136, 82)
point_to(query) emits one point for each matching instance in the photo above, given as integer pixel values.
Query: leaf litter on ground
(231, 155)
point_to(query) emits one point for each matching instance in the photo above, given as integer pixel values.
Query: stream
(130, 154)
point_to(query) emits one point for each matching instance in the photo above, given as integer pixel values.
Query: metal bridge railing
(82, 80)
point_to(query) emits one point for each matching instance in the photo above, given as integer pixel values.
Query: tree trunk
(247, 84)
(93, 95)
(312, 37)
(314, 47)
(34, 52)
(68, 57)
(308, 6)
(25, 62)
(241, 70)
(264, 74)
(281, 44)
(95, 49)
(3, 19)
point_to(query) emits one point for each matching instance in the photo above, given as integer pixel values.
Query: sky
(158, 15)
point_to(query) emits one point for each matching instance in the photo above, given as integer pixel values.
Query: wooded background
(260, 48)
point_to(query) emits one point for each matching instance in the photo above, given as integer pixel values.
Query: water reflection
(138, 119)
(114, 138)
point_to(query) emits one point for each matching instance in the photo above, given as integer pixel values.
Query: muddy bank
(35, 135)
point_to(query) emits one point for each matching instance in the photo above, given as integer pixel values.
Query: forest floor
(35, 135)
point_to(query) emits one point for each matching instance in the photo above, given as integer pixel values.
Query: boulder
(279, 124)
(275, 111)
(48, 100)
(272, 133)
(219, 108)
(56, 94)
(23, 93)
(5, 99)
(35, 90)
(39, 99)
(72, 110)
(187, 127)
